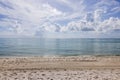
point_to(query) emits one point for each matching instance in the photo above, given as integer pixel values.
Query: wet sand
(60, 68)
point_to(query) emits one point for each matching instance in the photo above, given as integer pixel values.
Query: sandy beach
(60, 68)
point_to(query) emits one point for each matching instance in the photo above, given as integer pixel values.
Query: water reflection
(35, 46)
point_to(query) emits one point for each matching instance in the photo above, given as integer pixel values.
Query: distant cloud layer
(60, 18)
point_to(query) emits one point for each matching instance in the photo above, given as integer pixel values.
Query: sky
(60, 18)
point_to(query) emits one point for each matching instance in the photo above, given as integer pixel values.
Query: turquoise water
(64, 47)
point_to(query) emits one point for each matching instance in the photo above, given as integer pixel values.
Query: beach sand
(60, 68)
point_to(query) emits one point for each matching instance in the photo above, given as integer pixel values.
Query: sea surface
(60, 47)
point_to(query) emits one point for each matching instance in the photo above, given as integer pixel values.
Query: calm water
(40, 47)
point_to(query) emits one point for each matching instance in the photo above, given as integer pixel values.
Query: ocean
(59, 47)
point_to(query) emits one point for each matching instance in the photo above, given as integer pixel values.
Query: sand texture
(60, 68)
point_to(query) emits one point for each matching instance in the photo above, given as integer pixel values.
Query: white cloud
(92, 22)
(31, 18)
(98, 14)
(51, 27)
(109, 25)
(27, 14)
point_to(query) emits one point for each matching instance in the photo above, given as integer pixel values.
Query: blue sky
(60, 18)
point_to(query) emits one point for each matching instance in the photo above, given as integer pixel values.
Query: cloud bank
(60, 18)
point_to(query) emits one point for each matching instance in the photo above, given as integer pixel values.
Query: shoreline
(28, 56)
(57, 62)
